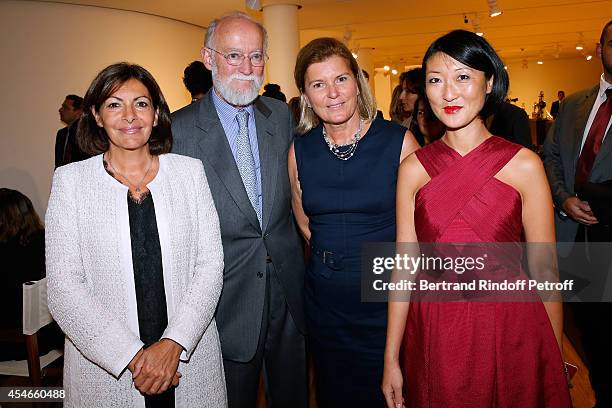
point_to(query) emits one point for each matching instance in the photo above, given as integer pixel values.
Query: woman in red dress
(471, 186)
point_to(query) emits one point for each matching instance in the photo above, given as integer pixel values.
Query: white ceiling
(400, 31)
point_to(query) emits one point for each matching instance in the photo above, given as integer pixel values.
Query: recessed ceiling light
(580, 43)
(494, 10)
(476, 25)
(386, 68)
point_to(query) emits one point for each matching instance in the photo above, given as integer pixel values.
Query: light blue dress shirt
(227, 114)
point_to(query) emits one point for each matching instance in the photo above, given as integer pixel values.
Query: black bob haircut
(92, 139)
(475, 52)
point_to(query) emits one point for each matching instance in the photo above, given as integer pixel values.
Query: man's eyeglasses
(257, 58)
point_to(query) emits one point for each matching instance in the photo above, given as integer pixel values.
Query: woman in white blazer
(134, 257)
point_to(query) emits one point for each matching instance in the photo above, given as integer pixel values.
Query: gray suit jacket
(561, 151)
(198, 133)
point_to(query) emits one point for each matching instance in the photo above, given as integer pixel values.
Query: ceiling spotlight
(386, 68)
(506, 67)
(580, 43)
(494, 10)
(394, 71)
(589, 57)
(540, 60)
(476, 25)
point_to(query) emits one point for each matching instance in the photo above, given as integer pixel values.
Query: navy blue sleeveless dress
(348, 203)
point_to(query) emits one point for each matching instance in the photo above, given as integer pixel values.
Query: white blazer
(91, 281)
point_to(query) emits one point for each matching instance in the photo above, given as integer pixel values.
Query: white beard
(234, 96)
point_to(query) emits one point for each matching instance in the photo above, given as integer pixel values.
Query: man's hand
(155, 370)
(579, 211)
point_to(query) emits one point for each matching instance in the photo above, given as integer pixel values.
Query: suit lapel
(268, 156)
(216, 151)
(582, 115)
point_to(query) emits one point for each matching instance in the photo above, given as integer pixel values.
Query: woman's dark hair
(92, 139)
(18, 219)
(396, 110)
(415, 78)
(475, 52)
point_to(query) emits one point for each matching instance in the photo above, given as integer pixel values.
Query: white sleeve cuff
(124, 359)
(181, 341)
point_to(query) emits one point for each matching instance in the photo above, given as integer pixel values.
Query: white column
(383, 91)
(364, 59)
(280, 21)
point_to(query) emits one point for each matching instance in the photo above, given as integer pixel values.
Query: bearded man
(242, 140)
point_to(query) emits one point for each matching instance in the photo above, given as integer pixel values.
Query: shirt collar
(222, 105)
(603, 85)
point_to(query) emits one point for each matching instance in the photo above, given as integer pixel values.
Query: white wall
(50, 50)
(570, 75)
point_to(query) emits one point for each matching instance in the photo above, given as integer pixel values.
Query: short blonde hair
(319, 50)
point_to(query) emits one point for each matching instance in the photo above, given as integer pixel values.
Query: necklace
(136, 187)
(347, 150)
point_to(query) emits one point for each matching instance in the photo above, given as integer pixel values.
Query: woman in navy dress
(343, 173)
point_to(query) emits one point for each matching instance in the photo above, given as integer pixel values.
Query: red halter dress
(473, 353)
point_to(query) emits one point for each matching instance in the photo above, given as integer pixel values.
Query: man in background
(511, 123)
(578, 155)
(66, 149)
(554, 109)
(197, 79)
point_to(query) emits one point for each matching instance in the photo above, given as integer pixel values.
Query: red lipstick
(452, 109)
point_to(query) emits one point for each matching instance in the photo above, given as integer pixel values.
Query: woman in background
(134, 257)
(22, 253)
(424, 124)
(396, 109)
(412, 82)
